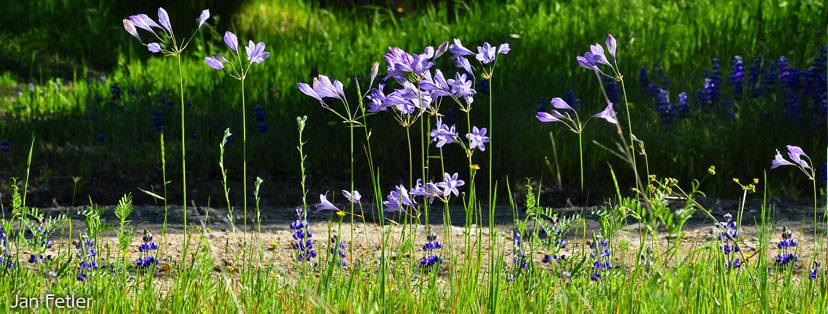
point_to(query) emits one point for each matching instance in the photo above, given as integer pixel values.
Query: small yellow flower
(474, 167)
(755, 180)
(340, 213)
(712, 170)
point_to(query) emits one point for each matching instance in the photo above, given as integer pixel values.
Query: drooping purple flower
(478, 139)
(610, 42)
(323, 88)
(164, 20)
(255, 52)
(450, 184)
(397, 200)
(144, 22)
(543, 116)
(215, 62)
(559, 103)
(353, 196)
(130, 28)
(585, 62)
(205, 14)
(324, 204)
(443, 134)
(429, 190)
(486, 53)
(608, 114)
(457, 49)
(231, 41)
(154, 47)
(795, 153)
(462, 62)
(441, 49)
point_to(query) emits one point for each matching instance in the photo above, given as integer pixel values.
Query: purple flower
(486, 53)
(608, 114)
(397, 200)
(429, 190)
(353, 197)
(323, 88)
(450, 184)
(598, 54)
(256, 53)
(130, 28)
(164, 19)
(324, 204)
(778, 161)
(436, 85)
(586, 63)
(377, 101)
(610, 42)
(461, 87)
(478, 139)
(144, 22)
(401, 63)
(457, 49)
(504, 49)
(462, 62)
(231, 41)
(154, 47)
(547, 117)
(203, 17)
(215, 62)
(443, 134)
(795, 153)
(559, 103)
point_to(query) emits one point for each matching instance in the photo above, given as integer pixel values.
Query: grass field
(513, 156)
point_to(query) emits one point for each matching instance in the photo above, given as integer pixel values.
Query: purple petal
(203, 17)
(585, 63)
(214, 63)
(779, 161)
(457, 49)
(154, 47)
(559, 103)
(795, 153)
(546, 117)
(130, 28)
(608, 114)
(611, 45)
(164, 19)
(307, 90)
(504, 49)
(231, 41)
(598, 54)
(441, 50)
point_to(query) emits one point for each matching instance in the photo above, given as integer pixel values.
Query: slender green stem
(244, 157)
(581, 157)
(183, 152)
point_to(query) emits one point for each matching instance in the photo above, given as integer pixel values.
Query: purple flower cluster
(256, 54)
(338, 250)
(795, 154)
(402, 198)
(431, 258)
(737, 75)
(728, 236)
(6, 260)
(87, 255)
(814, 271)
(145, 249)
(519, 257)
(553, 237)
(787, 245)
(302, 244)
(161, 30)
(601, 257)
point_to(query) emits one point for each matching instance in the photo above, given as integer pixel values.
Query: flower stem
(244, 156)
(581, 157)
(183, 153)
